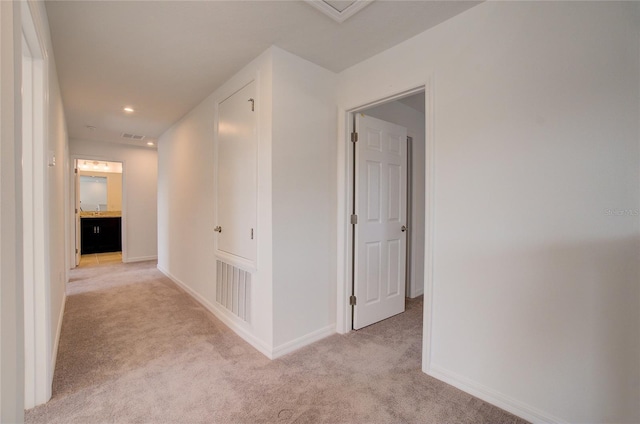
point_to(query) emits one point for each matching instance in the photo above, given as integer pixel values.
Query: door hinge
(76, 251)
(354, 137)
(75, 170)
(76, 210)
(354, 219)
(352, 301)
(253, 104)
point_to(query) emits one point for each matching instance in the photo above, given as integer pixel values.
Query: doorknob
(218, 229)
(403, 228)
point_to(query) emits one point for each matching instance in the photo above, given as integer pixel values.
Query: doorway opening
(386, 186)
(98, 212)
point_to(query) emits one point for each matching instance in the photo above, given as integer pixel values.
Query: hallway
(135, 348)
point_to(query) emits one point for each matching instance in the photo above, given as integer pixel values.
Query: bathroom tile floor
(100, 259)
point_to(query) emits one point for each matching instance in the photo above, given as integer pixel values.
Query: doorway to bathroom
(98, 212)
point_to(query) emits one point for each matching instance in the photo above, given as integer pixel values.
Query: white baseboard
(307, 339)
(493, 397)
(236, 327)
(258, 344)
(416, 293)
(140, 259)
(56, 342)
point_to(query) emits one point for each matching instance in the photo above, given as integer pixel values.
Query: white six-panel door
(381, 198)
(236, 199)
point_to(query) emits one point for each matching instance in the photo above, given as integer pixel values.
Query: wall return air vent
(133, 136)
(339, 10)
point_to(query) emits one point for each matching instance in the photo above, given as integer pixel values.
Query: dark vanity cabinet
(101, 234)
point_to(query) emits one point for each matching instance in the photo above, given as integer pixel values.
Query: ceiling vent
(133, 136)
(339, 10)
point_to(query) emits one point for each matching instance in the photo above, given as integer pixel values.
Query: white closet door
(236, 177)
(381, 199)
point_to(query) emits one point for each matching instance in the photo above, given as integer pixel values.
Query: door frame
(409, 218)
(344, 205)
(73, 201)
(39, 361)
(76, 212)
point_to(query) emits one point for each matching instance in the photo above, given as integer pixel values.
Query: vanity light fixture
(129, 109)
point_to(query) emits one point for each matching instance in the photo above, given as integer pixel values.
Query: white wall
(11, 278)
(12, 369)
(535, 287)
(139, 194)
(304, 180)
(186, 184)
(414, 121)
(293, 293)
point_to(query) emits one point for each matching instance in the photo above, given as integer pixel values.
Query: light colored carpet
(136, 349)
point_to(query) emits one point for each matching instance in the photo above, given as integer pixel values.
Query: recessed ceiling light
(91, 127)
(128, 109)
(149, 143)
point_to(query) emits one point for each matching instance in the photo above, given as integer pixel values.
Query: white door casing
(77, 211)
(35, 226)
(236, 198)
(380, 204)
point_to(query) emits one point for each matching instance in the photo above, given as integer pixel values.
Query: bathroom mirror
(93, 193)
(99, 187)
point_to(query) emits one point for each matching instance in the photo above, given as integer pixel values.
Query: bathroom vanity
(101, 234)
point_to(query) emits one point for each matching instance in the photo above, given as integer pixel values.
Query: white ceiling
(164, 57)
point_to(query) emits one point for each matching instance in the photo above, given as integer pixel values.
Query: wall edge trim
(56, 343)
(303, 341)
(258, 344)
(140, 259)
(493, 397)
(417, 293)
